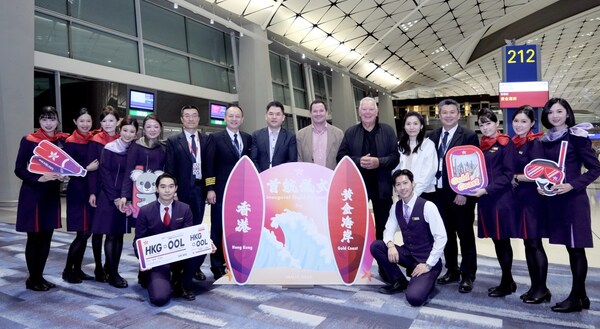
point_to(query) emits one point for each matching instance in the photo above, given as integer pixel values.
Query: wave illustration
(306, 248)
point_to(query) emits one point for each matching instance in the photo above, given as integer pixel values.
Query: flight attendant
(38, 211)
(569, 216)
(109, 119)
(528, 206)
(109, 218)
(79, 211)
(495, 214)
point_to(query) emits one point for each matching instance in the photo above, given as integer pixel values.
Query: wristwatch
(428, 267)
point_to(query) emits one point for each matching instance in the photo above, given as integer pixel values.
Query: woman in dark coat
(109, 219)
(528, 206)
(38, 211)
(79, 211)
(569, 216)
(109, 118)
(495, 214)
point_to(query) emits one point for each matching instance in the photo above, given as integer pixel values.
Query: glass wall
(176, 47)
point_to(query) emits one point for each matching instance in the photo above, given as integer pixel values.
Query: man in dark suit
(186, 155)
(224, 151)
(273, 145)
(160, 216)
(457, 210)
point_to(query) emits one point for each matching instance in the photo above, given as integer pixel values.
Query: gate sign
(466, 169)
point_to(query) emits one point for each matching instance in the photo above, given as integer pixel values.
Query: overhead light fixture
(175, 5)
(318, 63)
(212, 21)
(241, 34)
(303, 56)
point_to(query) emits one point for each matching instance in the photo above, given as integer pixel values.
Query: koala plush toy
(145, 189)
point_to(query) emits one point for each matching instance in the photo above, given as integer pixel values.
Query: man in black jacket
(374, 149)
(457, 210)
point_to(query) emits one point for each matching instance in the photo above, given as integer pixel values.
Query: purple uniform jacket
(108, 219)
(495, 211)
(569, 216)
(79, 211)
(138, 155)
(529, 211)
(39, 203)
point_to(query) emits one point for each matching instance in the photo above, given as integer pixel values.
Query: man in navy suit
(457, 210)
(186, 155)
(224, 151)
(160, 216)
(273, 145)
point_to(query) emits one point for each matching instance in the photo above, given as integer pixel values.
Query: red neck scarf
(103, 138)
(78, 138)
(40, 135)
(520, 141)
(487, 142)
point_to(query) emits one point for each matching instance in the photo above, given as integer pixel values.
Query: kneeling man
(160, 216)
(424, 239)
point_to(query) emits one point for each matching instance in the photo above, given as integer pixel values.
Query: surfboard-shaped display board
(243, 218)
(348, 214)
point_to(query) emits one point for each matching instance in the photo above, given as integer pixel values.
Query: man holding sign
(165, 215)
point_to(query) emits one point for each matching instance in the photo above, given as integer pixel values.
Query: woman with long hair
(418, 154)
(38, 211)
(569, 216)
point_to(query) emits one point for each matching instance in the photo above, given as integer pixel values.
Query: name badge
(494, 149)
(197, 170)
(415, 218)
(520, 152)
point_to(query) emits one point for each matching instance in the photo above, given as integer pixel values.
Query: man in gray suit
(319, 142)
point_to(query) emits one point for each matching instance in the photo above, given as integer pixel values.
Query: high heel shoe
(100, 275)
(36, 286)
(545, 298)
(48, 284)
(81, 275)
(525, 294)
(567, 306)
(70, 277)
(585, 303)
(501, 291)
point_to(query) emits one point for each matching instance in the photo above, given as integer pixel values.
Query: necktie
(406, 213)
(167, 218)
(442, 147)
(194, 147)
(440, 151)
(237, 144)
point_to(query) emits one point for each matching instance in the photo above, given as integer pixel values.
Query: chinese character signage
(296, 223)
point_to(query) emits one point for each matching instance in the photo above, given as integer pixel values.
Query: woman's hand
(562, 188)
(93, 166)
(92, 200)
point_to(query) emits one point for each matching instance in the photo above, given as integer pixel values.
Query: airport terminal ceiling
(433, 48)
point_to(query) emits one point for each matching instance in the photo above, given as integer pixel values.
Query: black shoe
(585, 303)
(218, 272)
(48, 284)
(501, 291)
(567, 306)
(394, 288)
(70, 277)
(466, 285)
(99, 275)
(82, 276)
(449, 277)
(184, 293)
(36, 286)
(117, 281)
(199, 275)
(545, 298)
(524, 295)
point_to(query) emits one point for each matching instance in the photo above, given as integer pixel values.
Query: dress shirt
(319, 139)
(450, 135)
(188, 137)
(436, 226)
(230, 133)
(272, 142)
